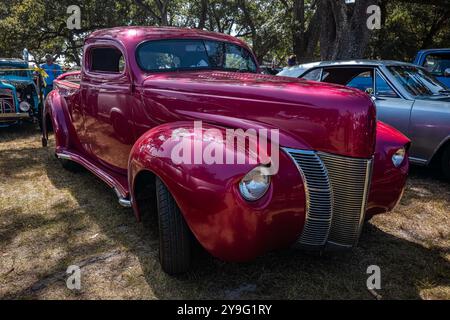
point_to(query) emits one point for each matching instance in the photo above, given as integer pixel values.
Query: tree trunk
(344, 33)
(305, 39)
(203, 14)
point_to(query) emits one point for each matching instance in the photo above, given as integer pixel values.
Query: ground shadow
(405, 265)
(18, 131)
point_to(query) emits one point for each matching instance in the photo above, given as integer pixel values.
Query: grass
(51, 218)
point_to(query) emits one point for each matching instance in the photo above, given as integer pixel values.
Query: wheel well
(437, 156)
(145, 194)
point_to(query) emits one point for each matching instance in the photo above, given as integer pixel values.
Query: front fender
(388, 182)
(56, 111)
(226, 225)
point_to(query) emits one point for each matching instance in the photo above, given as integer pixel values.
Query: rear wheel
(174, 234)
(445, 162)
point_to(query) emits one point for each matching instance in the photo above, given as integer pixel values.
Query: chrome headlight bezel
(255, 184)
(24, 106)
(398, 157)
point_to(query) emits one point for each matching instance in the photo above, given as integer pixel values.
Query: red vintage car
(144, 90)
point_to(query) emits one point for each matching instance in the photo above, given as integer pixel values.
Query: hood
(309, 115)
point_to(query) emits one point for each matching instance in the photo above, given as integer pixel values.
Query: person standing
(53, 70)
(292, 60)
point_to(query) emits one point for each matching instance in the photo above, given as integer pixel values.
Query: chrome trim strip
(125, 203)
(64, 156)
(418, 161)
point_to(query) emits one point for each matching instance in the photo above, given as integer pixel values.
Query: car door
(391, 107)
(107, 105)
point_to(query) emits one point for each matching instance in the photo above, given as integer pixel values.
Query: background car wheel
(69, 165)
(174, 234)
(445, 162)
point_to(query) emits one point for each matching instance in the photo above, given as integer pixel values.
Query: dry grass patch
(51, 218)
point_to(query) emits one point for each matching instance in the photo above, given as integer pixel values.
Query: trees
(312, 29)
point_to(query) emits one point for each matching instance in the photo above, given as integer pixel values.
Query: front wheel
(445, 162)
(174, 234)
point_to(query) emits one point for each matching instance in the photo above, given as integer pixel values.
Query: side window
(107, 59)
(238, 58)
(383, 89)
(363, 82)
(313, 75)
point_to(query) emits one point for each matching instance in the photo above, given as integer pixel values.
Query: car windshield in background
(437, 63)
(417, 81)
(173, 55)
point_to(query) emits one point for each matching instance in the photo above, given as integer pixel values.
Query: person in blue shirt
(53, 70)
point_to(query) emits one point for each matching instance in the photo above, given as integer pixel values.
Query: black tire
(445, 162)
(174, 234)
(69, 165)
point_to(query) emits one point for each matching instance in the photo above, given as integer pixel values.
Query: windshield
(418, 81)
(8, 70)
(437, 63)
(173, 55)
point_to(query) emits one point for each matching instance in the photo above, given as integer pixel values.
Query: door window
(107, 59)
(360, 77)
(383, 89)
(363, 82)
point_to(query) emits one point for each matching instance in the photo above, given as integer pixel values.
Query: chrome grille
(318, 197)
(336, 195)
(6, 101)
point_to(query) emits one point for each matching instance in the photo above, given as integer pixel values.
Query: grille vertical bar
(336, 196)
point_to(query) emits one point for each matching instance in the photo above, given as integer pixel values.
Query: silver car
(407, 97)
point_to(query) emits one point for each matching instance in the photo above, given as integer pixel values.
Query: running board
(121, 194)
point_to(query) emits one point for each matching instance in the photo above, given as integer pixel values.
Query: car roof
(434, 50)
(137, 34)
(13, 61)
(355, 63)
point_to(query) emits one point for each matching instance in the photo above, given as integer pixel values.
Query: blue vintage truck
(436, 61)
(20, 92)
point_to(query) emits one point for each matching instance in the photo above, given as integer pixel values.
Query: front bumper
(6, 117)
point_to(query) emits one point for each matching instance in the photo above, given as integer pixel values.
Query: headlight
(255, 184)
(24, 106)
(398, 157)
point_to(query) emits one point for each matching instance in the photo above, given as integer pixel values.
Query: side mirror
(447, 73)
